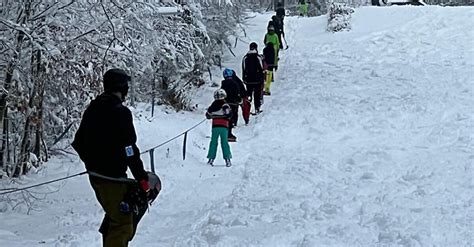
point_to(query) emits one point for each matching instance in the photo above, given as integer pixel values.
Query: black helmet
(116, 80)
(253, 46)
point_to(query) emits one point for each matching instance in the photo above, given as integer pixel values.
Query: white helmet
(220, 94)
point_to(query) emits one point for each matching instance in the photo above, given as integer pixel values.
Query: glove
(144, 185)
(208, 116)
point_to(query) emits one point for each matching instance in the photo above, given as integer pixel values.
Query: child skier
(220, 113)
(277, 24)
(268, 66)
(253, 75)
(272, 37)
(244, 102)
(234, 98)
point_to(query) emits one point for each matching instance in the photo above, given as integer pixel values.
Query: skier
(234, 99)
(220, 113)
(245, 101)
(303, 7)
(277, 24)
(280, 11)
(268, 65)
(272, 37)
(253, 75)
(105, 142)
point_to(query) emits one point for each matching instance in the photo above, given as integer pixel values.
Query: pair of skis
(228, 163)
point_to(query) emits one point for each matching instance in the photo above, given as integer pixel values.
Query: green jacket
(303, 8)
(273, 37)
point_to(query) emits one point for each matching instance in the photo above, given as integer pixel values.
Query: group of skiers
(106, 138)
(257, 76)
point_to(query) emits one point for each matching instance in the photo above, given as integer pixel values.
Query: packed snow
(367, 140)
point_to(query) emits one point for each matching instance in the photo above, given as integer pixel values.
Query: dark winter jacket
(271, 36)
(277, 25)
(232, 90)
(252, 68)
(280, 12)
(240, 84)
(280, 29)
(220, 113)
(105, 140)
(269, 56)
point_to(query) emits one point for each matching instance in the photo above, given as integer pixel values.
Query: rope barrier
(41, 184)
(150, 151)
(174, 138)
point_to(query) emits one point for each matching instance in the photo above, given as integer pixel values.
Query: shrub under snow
(339, 16)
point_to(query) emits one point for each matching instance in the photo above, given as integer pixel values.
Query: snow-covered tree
(53, 55)
(339, 17)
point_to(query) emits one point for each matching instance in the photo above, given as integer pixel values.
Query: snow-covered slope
(367, 140)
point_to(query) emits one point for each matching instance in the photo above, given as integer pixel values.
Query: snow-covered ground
(367, 140)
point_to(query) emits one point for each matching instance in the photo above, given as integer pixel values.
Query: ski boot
(232, 138)
(210, 162)
(228, 163)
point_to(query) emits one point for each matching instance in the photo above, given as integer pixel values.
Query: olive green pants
(117, 227)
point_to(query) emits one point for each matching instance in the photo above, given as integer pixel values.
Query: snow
(367, 140)
(168, 10)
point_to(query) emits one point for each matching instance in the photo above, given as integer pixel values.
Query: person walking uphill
(234, 98)
(272, 37)
(280, 11)
(253, 75)
(220, 113)
(268, 65)
(105, 142)
(277, 24)
(245, 104)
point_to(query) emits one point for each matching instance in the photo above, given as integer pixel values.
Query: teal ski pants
(217, 132)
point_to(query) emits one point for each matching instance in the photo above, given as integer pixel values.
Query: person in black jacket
(278, 26)
(280, 11)
(244, 102)
(234, 98)
(253, 75)
(105, 142)
(269, 66)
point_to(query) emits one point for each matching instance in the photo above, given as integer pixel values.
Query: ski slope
(367, 140)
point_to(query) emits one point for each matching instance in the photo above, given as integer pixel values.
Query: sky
(366, 140)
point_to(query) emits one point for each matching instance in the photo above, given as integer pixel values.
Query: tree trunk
(40, 78)
(34, 116)
(22, 165)
(11, 66)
